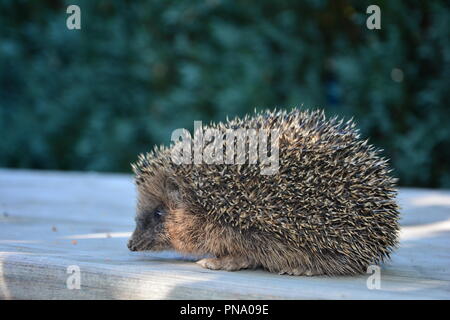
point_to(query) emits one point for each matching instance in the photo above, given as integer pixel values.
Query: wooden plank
(52, 220)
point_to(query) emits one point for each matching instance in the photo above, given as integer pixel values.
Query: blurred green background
(92, 99)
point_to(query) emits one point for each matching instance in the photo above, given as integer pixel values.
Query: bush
(91, 99)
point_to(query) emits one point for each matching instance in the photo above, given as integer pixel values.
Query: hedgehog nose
(131, 245)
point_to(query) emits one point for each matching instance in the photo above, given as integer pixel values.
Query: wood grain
(52, 220)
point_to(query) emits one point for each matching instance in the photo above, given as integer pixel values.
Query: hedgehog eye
(159, 212)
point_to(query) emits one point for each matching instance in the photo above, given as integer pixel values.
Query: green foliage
(92, 99)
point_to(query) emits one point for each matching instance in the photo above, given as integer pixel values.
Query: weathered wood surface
(52, 220)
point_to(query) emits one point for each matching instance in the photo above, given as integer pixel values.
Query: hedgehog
(329, 209)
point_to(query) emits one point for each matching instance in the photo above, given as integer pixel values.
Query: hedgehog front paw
(227, 263)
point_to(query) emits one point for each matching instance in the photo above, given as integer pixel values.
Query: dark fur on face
(156, 197)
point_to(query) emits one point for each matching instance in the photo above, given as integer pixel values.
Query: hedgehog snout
(131, 245)
(137, 241)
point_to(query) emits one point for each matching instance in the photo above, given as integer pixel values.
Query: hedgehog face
(150, 232)
(152, 212)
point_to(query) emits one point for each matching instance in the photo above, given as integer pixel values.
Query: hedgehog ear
(171, 184)
(173, 189)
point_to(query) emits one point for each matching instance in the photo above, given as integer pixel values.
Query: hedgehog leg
(229, 263)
